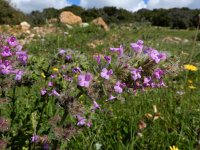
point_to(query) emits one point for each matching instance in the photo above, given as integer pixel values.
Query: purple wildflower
(55, 93)
(153, 85)
(61, 52)
(95, 106)
(119, 87)
(6, 52)
(84, 79)
(22, 56)
(108, 59)
(111, 98)
(162, 56)
(81, 120)
(43, 91)
(67, 78)
(161, 84)
(19, 74)
(120, 50)
(12, 41)
(156, 56)
(158, 73)
(68, 57)
(5, 67)
(89, 124)
(53, 76)
(45, 146)
(35, 139)
(76, 70)
(50, 84)
(106, 73)
(136, 73)
(18, 48)
(97, 58)
(138, 46)
(147, 81)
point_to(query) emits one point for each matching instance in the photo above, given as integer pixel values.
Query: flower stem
(63, 117)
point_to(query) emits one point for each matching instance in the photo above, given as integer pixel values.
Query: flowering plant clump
(130, 69)
(67, 80)
(12, 58)
(13, 64)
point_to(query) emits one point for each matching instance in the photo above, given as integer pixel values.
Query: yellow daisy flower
(173, 148)
(190, 67)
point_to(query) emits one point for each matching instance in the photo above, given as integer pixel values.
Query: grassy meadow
(154, 119)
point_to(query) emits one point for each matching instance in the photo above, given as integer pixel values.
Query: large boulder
(100, 22)
(25, 26)
(68, 17)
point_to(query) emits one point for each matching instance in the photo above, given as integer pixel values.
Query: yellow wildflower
(42, 74)
(192, 87)
(190, 67)
(190, 81)
(55, 69)
(173, 148)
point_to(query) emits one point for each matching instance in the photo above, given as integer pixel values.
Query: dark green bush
(9, 15)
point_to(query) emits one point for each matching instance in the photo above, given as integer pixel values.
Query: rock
(68, 17)
(84, 24)
(7, 26)
(53, 20)
(169, 39)
(28, 32)
(69, 26)
(50, 25)
(25, 26)
(32, 35)
(185, 40)
(100, 22)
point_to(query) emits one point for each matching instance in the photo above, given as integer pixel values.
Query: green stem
(13, 98)
(64, 117)
(41, 114)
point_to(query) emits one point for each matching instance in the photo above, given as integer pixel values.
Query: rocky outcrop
(100, 22)
(68, 17)
(25, 26)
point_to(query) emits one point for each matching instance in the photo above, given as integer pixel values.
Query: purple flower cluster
(127, 72)
(138, 46)
(12, 57)
(154, 80)
(119, 50)
(84, 79)
(136, 73)
(82, 121)
(153, 54)
(106, 73)
(119, 87)
(50, 88)
(157, 56)
(40, 140)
